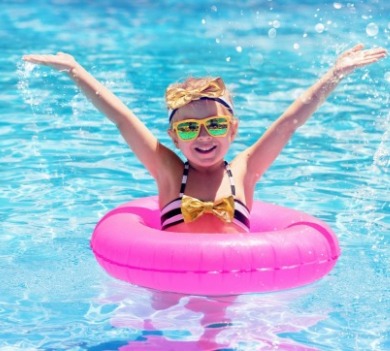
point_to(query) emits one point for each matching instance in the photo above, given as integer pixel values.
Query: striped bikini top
(171, 213)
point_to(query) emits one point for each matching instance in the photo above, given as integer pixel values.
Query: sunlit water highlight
(63, 166)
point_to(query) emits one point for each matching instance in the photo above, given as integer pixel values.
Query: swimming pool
(64, 166)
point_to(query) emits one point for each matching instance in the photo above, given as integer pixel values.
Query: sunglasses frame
(202, 122)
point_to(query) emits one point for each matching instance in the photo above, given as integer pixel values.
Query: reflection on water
(167, 321)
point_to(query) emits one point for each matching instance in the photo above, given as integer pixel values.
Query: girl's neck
(207, 169)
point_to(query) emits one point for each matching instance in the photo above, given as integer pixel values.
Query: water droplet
(203, 21)
(319, 27)
(372, 29)
(256, 59)
(214, 8)
(272, 33)
(239, 49)
(29, 67)
(276, 24)
(228, 59)
(387, 77)
(337, 5)
(296, 46)
(217, 40)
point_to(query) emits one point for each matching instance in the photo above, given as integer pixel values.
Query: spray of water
(382, 154)
(25, 71)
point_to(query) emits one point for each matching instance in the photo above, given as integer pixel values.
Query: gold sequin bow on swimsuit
(193, 208)
(179, 97)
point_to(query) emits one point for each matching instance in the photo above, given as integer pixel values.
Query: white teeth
(205, 149)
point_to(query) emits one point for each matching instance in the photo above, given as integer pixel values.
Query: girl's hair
(195, 83)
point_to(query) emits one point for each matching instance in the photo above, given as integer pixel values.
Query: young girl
(205, 193)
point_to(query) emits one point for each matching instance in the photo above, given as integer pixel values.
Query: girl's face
(205, 150)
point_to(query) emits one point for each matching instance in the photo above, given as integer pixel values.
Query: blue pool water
(63, 166)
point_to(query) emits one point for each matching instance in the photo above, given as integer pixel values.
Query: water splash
(24, 72)
(382, 154)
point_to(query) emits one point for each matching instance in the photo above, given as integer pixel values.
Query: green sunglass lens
(188, 130)
(217, 126)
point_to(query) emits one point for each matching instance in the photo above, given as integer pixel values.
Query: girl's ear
(173, 136)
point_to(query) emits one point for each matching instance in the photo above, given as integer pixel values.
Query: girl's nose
(203, 132)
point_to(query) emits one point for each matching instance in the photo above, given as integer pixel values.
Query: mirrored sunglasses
(189, 129)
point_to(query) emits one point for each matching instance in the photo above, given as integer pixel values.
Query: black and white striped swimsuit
(171, 213)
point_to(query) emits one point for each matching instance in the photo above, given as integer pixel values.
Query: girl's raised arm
(261, 155)
(143, 143)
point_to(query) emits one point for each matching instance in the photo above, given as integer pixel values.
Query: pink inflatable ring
(285, 249)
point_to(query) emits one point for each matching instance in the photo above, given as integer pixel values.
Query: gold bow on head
(177, 97)
(192, 208)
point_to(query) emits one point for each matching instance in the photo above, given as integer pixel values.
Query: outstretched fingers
(42, 59)
(376, 52)
(371, 56)
(356, 57)
(357, 51)
(60, 61)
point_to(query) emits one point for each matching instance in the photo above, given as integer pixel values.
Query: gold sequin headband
(177, 97)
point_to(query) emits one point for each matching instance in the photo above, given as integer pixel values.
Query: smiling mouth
(205, 150)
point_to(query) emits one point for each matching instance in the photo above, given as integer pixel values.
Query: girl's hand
(62, 62)
(356, 57)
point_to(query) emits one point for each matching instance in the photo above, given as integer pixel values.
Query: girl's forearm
(302, 109)
(140, 139)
